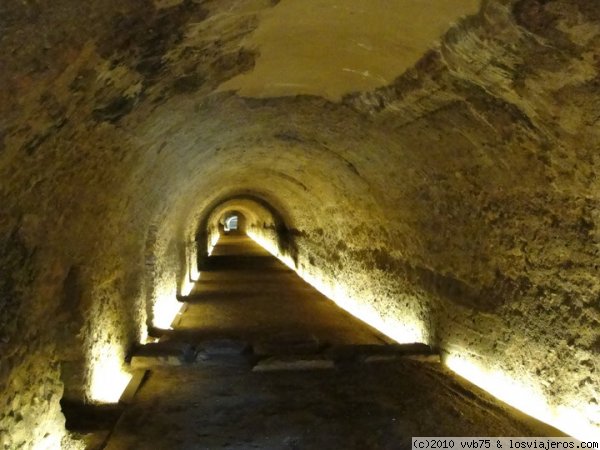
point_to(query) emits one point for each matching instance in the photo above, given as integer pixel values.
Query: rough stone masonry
(459, 190)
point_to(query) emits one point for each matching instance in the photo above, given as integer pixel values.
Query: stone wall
(457, 205)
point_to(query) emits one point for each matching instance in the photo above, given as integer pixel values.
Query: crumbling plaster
(463, 195)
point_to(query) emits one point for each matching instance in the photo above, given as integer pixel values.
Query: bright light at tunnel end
(520, 394)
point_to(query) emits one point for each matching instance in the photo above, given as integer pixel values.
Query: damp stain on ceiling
(331, 48)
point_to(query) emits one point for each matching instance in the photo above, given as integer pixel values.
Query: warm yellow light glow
(166, 306)
(213, 242)
(526, 395)
(577, 419)
(58, 439)
(193, 275)
(52, 441)
(407, 330)
(108, 379)
(143, 333)
(165, 310)
(188, 284)
(271, 247)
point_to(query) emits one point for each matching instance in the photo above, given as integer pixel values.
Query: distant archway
(231, 223)
(254, 214)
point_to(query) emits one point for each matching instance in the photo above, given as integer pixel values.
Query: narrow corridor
(265, 361)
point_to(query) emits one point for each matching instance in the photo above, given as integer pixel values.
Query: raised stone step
(209, 296)
(346, 354)
(165, 353)
(377, 353)
(223, 352)
(279, 363)
(132, 387)
(287, 344)
(432, 358)
(222, 347)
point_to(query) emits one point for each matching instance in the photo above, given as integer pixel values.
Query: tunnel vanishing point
(433, 167)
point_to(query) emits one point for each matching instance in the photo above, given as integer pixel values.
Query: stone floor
(272, 364)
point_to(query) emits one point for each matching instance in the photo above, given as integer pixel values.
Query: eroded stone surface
(463, 196)
(331, 399)
(330, 49)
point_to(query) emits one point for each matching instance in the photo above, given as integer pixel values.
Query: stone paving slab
(293, 371)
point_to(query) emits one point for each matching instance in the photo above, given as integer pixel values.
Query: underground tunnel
(283, 224)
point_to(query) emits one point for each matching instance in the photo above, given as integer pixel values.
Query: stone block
(292, 363)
